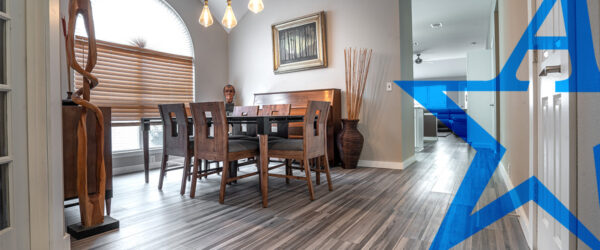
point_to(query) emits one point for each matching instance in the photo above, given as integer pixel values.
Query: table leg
(145, 131)
(264, 168)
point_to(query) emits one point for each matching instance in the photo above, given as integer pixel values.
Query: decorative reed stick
(358, 62)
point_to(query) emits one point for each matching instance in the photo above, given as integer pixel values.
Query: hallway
(369, 208)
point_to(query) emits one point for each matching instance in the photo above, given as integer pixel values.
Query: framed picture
(300, 44)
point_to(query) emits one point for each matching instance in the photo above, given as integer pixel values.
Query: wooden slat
(133, 81)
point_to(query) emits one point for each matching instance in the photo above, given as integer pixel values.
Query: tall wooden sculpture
(91, 205)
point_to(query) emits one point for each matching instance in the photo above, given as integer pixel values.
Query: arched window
(145, 58)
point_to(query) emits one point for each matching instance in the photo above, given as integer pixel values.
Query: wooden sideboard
(70, 120)
(299, 101)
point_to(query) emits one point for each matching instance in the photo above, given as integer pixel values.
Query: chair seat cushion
(287, 145)
(242, 145)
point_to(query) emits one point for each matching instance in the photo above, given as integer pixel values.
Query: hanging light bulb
(206, 18)
(256, 6)
(229, 20)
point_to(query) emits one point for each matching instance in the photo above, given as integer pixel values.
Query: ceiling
(444, 50)
(217, 8)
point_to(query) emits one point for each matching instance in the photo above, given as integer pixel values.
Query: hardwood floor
(369, 208)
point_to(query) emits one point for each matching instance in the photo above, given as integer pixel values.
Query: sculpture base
(78, 231)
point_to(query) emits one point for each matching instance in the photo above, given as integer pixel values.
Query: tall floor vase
(350, 143)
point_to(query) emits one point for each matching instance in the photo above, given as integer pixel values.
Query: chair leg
(189, 174)
(232, 171)
(308, 179)
(257, 159)
(186, 174)
(224, 180)
(236, 166)
(206, 167)
(318, 170)
(327, 174)
(163, 170)
(288, 170)
(197, 163)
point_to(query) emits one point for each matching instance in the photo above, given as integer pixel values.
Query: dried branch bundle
(358, 62)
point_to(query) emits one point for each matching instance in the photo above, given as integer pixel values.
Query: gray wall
(356, 23)
(513, 106)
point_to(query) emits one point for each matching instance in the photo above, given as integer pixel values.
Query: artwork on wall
(300, 44)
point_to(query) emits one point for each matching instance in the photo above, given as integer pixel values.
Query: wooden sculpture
(91, 205)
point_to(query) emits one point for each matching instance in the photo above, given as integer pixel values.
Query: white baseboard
(387, 164)
(406, 163)
(523, 219)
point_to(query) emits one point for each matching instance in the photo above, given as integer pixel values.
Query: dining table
(263, 128)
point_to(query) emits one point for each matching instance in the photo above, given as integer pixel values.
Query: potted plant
(350, 141)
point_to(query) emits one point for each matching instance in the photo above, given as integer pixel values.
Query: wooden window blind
(133, 81)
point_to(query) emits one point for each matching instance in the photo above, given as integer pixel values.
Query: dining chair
(312, 146)
(277, 110)
(217, 147)
(237, 131)
(176, 140)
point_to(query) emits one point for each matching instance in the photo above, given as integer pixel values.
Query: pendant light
(229, 20)
(256, 6)
(206, 18)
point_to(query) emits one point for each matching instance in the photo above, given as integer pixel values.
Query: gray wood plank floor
(369, 208)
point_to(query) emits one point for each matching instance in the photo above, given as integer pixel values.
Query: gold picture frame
(300, 44)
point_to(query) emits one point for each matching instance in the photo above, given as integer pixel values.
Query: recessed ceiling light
(436, 25)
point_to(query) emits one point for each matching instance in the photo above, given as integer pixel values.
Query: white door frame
(560, 167)
(16, 236)
(44, 122)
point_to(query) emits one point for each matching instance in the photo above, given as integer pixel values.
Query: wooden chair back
(245, 111)
(175, 129)
(315, 134)
(206, 146)
(276, 110)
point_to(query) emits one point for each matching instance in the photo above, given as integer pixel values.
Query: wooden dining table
(263, 128)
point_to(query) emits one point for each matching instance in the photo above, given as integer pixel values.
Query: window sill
(127, 153)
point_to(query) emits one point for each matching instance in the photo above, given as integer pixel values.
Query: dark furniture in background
(299, 103)
(70, 116)
(176, 140)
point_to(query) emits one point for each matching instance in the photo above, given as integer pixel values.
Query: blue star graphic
(461, 221)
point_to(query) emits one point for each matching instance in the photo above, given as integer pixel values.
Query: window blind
(133, 80)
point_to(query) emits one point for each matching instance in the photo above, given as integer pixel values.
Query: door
(14, 210)
(482, 105)
(556, 134)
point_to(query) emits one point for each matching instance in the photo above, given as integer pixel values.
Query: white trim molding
(522, 216)
(387, 164)
(44, 125)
